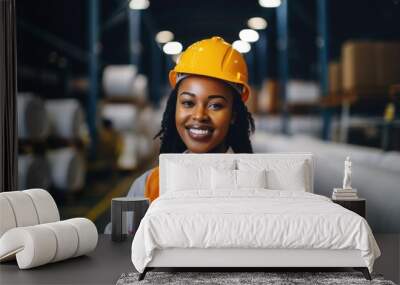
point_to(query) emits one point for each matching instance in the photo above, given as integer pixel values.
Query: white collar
(230, 150)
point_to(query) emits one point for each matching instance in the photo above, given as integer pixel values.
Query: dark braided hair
(238, 136)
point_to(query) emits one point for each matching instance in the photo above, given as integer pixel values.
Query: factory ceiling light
(249, 35)
(172, 48)
(257, 23)
(241, 46)
(163, 37)
(269, 3)
(139, 4)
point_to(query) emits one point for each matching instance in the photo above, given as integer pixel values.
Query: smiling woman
(205, 112)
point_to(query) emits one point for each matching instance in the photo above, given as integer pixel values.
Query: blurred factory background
(92, 84)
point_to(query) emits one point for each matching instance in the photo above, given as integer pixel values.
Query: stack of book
(344, 194)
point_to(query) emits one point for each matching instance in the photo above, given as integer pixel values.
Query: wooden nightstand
(358, 205)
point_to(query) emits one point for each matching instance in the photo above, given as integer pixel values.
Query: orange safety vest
(151, 189)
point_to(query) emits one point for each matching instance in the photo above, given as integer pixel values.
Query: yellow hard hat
(214, 58)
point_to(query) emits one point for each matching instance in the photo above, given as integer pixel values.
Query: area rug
(230, 278)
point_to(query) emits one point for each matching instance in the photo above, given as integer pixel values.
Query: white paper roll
(23, 207)
(123, 116)
(67, 169)
(67, 240)
(45, 205)
(118, 80)
(144, 146)
(7, 218)
(149, 121)
(32, 117)
(33, 171)
(33, 246)
(67, 119)
(299, 91)
(129, 156)
(87, 234)
(140, 86)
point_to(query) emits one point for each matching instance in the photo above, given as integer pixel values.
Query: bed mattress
(250, 219)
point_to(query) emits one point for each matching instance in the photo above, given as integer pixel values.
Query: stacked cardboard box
(268, 98)
(335, 77)
(367, 64)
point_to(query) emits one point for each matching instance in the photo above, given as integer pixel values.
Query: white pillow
(183, 176)
(251, 178)
(282, 174)
(225, 179)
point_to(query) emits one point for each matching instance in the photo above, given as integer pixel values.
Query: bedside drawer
(357, 206)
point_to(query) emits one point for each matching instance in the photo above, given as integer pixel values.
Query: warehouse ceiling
(46, 27)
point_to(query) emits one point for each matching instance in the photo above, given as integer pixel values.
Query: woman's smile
(200, 132)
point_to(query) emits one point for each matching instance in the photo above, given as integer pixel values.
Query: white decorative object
(347, 174)
(46, 243)
(23, 208)
(45, 206)
(26, 208)
(347, 192)
(31, 233)
(7, 220)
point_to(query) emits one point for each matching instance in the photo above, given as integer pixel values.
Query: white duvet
(251, 218)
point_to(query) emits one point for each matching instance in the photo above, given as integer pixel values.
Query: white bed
(200, 220)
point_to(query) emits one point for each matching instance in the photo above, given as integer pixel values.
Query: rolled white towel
(40, 244)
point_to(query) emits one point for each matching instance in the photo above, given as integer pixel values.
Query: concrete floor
(388, 263)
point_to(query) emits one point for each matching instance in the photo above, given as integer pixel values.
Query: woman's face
(203, 113)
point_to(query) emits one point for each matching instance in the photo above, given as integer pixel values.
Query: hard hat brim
(244, 95)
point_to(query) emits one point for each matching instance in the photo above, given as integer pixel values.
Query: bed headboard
(212, 158)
